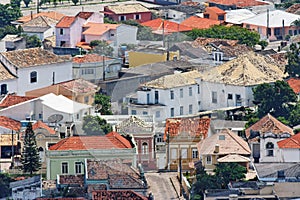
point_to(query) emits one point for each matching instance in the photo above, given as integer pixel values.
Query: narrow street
(160, 185)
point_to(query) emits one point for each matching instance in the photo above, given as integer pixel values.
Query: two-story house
(29, 69)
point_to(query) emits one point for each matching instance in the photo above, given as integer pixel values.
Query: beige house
(224, 146)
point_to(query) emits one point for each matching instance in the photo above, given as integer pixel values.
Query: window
(172, 94)
(190, 91)
(290, 32)
(157, 114)
(87, 71)
(137, 17)
(270, 149)
(156, 97)
(3, 89)
(173, 153)
(133, 112)
(238, 100)
(145, 148)
(33, 77)
(148, 98)
(198, 88)
(77, 167)
(295, 32)
(277, 31)
(181, 93)
(208, 160)
(86, 99)
(199, 105)
(194, 153)
(122, 18)
(221, 17)
(214, 97)
(61, 31)
(221, 137)
(62, 43)
(184, 153)
(172, 112)
(190, 109)
(181, 110)
(229, 96)
(145, 113)
(64, 168)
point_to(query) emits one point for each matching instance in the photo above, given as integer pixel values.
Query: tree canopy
(30, 155)
(32, 41)
(103, 104)
(4, 185)
(293, 66)
(101, 47)
(9, 13)
(243, 35)
(94, 125)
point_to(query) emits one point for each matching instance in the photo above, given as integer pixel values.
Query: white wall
(126, 35)
(96, 17)
(263, 151)
(290, 155)
(11, 85)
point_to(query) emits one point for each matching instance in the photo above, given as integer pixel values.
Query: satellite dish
(55, 118)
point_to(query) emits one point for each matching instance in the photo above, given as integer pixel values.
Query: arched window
(145, 148)
(33, 77)
(270, 149)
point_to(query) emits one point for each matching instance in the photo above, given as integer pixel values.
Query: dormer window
(218, 56)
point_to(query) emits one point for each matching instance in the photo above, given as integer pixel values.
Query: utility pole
(37, 6)
(103, 63)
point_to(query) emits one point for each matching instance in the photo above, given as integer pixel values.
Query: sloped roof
(84, 15)
(174, 80)
(10, 123)
(40, 21)
(236, 16)
(112, 140)
(5, 73)
(51, 14)
(159, 26)
(33, 57)
(239, 3)
(89, 58)
(215, 10)
(98, 28)
(269, 124)
(294, 83)
(12, 99)
(40, 125)
(295, 8)
(127, 8)
(199, 23)
(275, 19)
(79, 86)
(229, 143)
(202, 41)
(270, 170)
(290, 143)
(65, 22)
(234, 158)
(194, 127)
(246, 70)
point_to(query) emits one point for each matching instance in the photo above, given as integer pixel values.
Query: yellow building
(150, 55)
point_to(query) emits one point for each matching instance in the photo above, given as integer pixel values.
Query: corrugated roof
(33, 57)
(246, 70)
(127, 8)
(290, 143)
(112, 140)
(199, 23)
(174, 80)
(98, 28)
(228, 142)
(65, 22)
(10, 123)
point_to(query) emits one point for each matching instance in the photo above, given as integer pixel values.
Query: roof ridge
(236, 138)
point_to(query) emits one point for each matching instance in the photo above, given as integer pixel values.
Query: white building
(31, 69)
(290, 149)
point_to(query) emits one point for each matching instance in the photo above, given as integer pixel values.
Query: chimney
(217, 148)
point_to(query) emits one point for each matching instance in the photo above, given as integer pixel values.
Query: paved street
(161, 186)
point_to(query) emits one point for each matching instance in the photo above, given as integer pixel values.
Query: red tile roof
(98, 28)
(215, 10)
(65, 22)
(84, 15)
(239, 3)
(12, 99)
(112, 140)
(159, 26)
(294, 83)
(199, 23)
(41, 125)
(290, 143)
(194, 127)
(269, 124)
(89, 58)
(53, 15)
(9, 123)
(79, 86)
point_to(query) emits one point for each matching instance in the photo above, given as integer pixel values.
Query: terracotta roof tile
(5, 74)
(294, 9)
(126, 8)
(294, 83)
(199, 23)
(12, 99)
(84, 15)
(53, 15)
(159, 26)
(111, 194)
(65, 22)
(269, 124)
(202, 41)
(98, 28)
(89, 58)
(194, 127)
(215, 10)
(10, 123)
(33, 57)
(79, 86)
(109, 141)
(41, 125)
(290, 143)
(229, 143)
(239, 3)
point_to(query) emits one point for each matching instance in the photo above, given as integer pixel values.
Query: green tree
(32, 41)
(103, 104)
(26, 2)
(101, 47)
(244, 36)
(30, 155)
(294, 117)
(8, 13)
(293, 66)
(4, 185)
(227, 172)
(15, 3)
(94, 125)
(263, 44)
(10, 30)
(274, 98)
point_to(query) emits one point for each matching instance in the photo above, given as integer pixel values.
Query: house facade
(34, 68)
(290, 149)
(68, 156)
